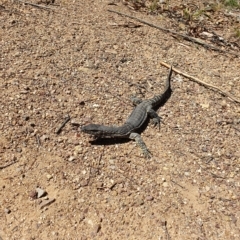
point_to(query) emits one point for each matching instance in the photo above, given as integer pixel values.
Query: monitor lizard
(143, 109)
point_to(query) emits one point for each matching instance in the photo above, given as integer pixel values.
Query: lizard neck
(111, 131)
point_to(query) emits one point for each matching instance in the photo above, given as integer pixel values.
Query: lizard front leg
(136, 100)
(156, 119)
(141, 144)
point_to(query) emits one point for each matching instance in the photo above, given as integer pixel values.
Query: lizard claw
(157, 121)
(147, 154)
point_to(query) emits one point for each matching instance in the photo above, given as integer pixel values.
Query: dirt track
(83, 61)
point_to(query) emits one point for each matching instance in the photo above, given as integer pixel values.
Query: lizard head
(92, 129)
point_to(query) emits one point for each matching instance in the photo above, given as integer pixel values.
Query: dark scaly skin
(136, 119)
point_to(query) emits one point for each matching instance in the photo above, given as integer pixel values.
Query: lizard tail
(161, 99)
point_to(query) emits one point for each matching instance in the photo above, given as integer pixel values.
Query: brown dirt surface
(74, 58)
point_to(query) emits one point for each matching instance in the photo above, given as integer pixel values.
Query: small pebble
(75, 122)
(49, 176)
(26, 118)
(165, 184)
(40, 192)
(71, 158)
(33, 195)
(207, 188)
(7, 211)
(78, 149)
(96, 228)
(19, 150)
(32, 124)
(139, 201)
(149, 198)
(44, 138)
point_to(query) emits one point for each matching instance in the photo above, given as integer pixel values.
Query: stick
(38, 140)
(212, 87)
(192, 39)
(62, 125)
(32, 163)
(36, 5)
(177, 184)
(7, 165)
(236, 128)
(164, 224)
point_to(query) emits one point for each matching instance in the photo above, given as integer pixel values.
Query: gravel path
(80, 60)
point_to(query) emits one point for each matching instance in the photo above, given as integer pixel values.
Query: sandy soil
(80, 60)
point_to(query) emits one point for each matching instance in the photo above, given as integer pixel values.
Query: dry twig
(192, 39)
(177, 184)
(212, 87)
(7, 165)
(63, 124)
(38, 140)
(164, 224)
(36, 5)
(236, 128)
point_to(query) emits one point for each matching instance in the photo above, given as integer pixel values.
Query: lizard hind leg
(141, 144)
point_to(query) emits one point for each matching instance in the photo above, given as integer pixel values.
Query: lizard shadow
(109, 141)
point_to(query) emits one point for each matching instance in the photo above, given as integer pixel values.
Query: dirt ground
(76, 59)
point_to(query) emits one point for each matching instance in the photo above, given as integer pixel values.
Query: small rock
(139, 201)
(207, 188)
(75, 122)
(165, 184)
(44, 138)
(71, 158)
(205, 105)
(49, 176)
(96, 228)
(78, 149)
(55, 233)
(114, 193)
(99, 185)
(19, 150)
(26, 118)
(7, 211)
(84, 183)
(33, 194)
(149, 198)
(90, 222)
(29, 130)
(206, 35)
(40, 192)
(84, 69)
(32, 124)
(82, 217)
(111, 161)
(111, 51)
